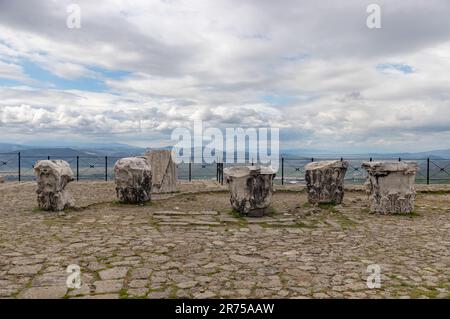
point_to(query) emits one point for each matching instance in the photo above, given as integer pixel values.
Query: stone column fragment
(390, 186)
(251, 189)
(164, 171)
(133, 178)
(325, 181)
(52, 178)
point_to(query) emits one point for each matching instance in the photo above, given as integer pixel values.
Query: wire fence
(14, 166)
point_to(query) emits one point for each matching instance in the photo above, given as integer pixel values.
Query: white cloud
(11, 71)
(218, 60)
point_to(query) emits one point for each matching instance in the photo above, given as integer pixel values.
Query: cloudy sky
(136, 70)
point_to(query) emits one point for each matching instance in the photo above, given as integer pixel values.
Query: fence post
(371, 159)
(18, 166)
(48, 157)
(282, 171)
(399, 159)
(106, 168)
(221, 173)
(190, 171)
(78, 168)
(428, 171)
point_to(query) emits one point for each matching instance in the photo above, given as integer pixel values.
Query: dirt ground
(190, 244)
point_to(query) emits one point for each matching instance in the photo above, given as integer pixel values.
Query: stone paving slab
(191, 245)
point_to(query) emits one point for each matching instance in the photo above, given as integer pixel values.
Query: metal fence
(14, 166)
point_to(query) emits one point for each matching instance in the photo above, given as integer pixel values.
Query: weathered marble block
(325, 181)
(133, 178)
(251, 189)
(52, 178)
(390, 186)
(164, 171)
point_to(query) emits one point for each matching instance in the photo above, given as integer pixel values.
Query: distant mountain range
(121, 150)
(85, 150)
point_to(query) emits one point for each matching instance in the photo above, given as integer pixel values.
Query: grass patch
(173, 292)
(328, 206)
(123, 294)
(236, 214)
(271, 212)
(118, 203)
(418, 292)
(50, 222)
(306, 205)
(345, 221)
(410, 215)
(295, 225)
(434, 192)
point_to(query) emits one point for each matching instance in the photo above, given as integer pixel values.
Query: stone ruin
(251, 189)
(390, 186)
(52, 178)
(133, 178)
(325, 181)
(164, 171)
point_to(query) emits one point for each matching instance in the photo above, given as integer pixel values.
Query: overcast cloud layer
(136, 70)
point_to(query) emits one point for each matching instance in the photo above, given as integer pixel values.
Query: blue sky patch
(404, 68)
(278, 99)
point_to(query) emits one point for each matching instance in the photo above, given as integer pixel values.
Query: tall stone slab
(391, 186)
(251, 189)
(133, 178)
(325, 181)
(164, 171)
(52, 178)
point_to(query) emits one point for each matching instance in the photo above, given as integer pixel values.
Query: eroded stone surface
(251, 189)
(133, 178)
(296, 252)
(52, 178)
(325, 181)
(164, 171)
(391, 186)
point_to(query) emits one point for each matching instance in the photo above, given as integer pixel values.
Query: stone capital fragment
(325, 181)
(133, 178)
(164, 171)
(52, 178)
(251, 189)
(391, 186)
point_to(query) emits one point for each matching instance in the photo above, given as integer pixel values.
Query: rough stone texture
(325, 181)
(390, 186)
(56, 292)
(133, 178)
(296, 252)
(164, 171)
(251, 189)
(52, 179)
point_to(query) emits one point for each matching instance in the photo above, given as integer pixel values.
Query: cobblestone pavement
(189, 244)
